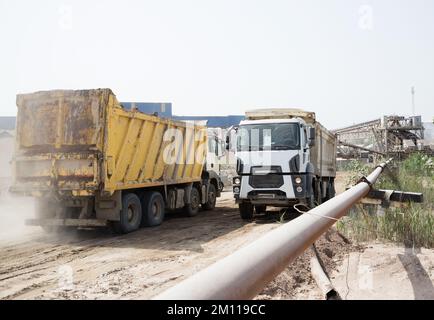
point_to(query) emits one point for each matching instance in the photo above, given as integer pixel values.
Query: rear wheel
(212, 198)
(153, 209)
(193, 207)
(246, 211)
(130, 215)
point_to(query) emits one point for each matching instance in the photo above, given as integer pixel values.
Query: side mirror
(227, 143)
(312, 136)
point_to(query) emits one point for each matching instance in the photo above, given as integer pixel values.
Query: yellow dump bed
(82, 142)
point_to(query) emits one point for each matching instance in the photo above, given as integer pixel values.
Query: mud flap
(108, 208)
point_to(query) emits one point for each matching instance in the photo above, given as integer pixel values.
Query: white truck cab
(284, 157)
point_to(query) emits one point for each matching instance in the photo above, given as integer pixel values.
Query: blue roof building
(7, 123)
(214, 121)
(162, 109)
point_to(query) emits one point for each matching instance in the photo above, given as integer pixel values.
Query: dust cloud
(13, 210)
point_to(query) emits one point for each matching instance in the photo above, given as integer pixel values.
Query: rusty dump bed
(81, 142)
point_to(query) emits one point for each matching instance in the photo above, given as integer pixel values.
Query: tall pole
(412, 100)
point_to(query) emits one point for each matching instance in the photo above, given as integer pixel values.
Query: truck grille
(270, 180)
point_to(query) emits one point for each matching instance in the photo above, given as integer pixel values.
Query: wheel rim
(130, 213)
(194, 201)
(211, 197)
(155, 209)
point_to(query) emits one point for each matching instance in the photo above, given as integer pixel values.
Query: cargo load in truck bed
(80, 142)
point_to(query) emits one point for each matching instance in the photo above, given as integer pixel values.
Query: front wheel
(212, 198)
(330, 190)
(260, 209)
(192, 208)
(246, 211)
(311, 201)
(131, 214)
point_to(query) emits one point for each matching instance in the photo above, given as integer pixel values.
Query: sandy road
(97, 264)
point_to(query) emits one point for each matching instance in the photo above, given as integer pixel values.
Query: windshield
(272, 136)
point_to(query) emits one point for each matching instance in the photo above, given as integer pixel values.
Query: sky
(347, 60)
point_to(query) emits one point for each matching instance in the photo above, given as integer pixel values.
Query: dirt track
(99, 265)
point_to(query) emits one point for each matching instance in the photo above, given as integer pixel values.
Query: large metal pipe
(243, 274)
(361, 148)
(321, 278)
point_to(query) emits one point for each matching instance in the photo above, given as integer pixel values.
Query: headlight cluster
(237, 183)
(298, 182)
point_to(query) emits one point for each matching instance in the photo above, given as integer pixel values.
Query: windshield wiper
(280, 147)
(265, 148)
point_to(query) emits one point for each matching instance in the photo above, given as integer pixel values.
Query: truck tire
(153, 209)
(130, 215)
(260, 209)
(193, 207)
(311, 201)
(318, 192)
(246, 211)
(212, 198)
(330, 190)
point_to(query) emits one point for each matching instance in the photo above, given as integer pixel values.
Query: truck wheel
(246, 211)
(260, 209)
(153, 209)
(330, 190)
(318, 192)
(311, 201)
(130, 215)
(212, 198)
(193, 207)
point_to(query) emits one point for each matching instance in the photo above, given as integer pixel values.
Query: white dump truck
(284, 157)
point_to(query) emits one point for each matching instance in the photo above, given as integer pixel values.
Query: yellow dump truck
(90, 162)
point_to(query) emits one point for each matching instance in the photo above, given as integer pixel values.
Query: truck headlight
(237, 181)
(236, 190)
(298, 180)
(299, 189)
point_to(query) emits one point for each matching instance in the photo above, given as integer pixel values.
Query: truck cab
(280, 161)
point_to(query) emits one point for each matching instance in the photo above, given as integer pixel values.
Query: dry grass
(412, 226)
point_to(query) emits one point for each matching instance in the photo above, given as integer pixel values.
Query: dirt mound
(296, 281)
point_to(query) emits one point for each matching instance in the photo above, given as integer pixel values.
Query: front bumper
(296, 188)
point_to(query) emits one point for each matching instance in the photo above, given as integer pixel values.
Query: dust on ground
(100, 265)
